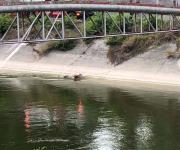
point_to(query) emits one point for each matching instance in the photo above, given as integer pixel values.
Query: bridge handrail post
(156, 22)
(141, 23)
(63, 27)
(171, 22)
(105, 26)
(84, 23)
(43, 25)
(18, 25)
(124, 23)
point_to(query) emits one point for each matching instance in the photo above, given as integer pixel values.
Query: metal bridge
(35, 23)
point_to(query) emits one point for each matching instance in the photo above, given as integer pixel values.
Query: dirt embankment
(91, 60)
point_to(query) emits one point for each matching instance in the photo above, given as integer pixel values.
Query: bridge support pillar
(141, 30)
(105, 26)
(62, 22)
(43, 26)
(84, 23)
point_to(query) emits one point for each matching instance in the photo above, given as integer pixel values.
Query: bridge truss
(36, 24)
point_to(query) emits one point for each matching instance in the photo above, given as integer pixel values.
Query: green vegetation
(65, 45)
(117, 40)
(5, 21)
(68, 22)
(46, 47)
(94, 24)
(123, 49)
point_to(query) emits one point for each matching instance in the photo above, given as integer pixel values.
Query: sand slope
(152, 66)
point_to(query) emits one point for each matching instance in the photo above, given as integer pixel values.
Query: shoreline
(151, 67)
(100, 77)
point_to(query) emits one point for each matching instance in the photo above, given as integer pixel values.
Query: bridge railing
(38, 24)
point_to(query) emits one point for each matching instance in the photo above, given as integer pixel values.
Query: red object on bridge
(55, 13)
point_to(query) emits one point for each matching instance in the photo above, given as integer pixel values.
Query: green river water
(46, 114)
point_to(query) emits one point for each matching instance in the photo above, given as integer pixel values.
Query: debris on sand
(77, 77)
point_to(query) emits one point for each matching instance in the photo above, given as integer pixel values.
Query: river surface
(49, 114)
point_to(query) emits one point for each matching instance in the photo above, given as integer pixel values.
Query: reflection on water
(144, 133)
(73, 115)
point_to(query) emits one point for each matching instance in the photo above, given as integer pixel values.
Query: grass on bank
(65, 45)
(123, 48)
(45, 48)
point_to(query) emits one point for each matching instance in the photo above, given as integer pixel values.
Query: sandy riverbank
(152, 66)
